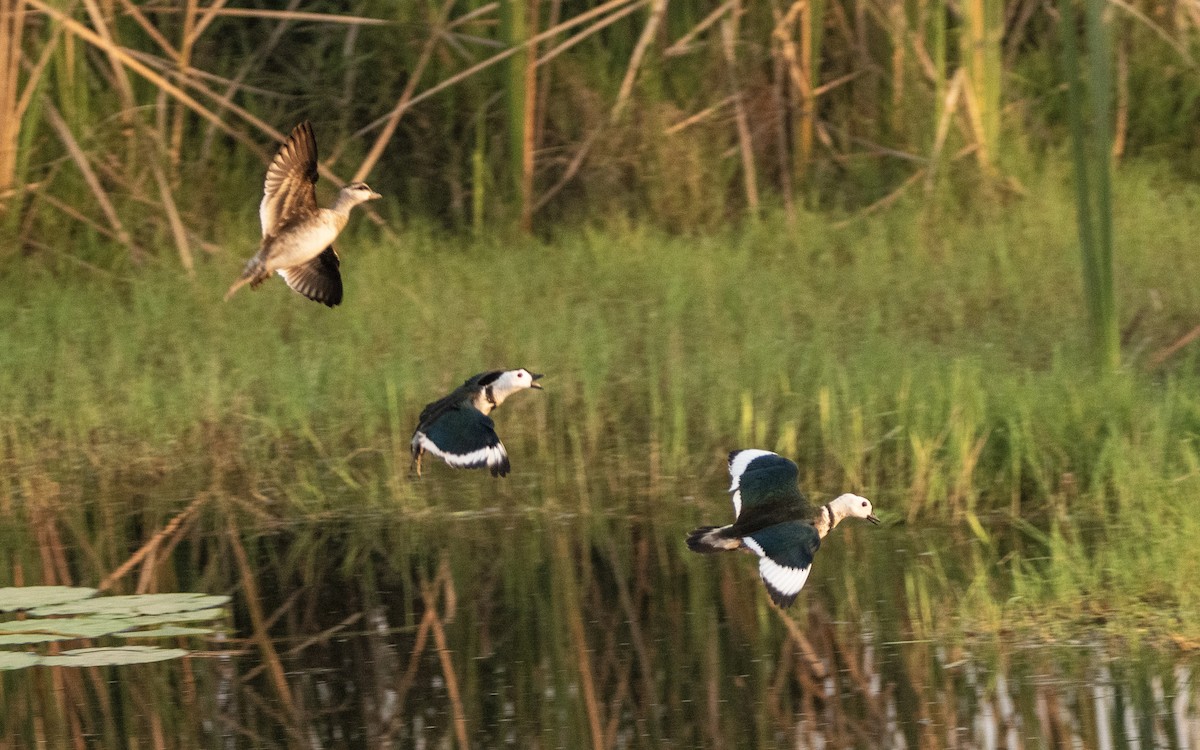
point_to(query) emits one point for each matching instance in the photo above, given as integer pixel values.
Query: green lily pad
(75, 627)
(13, 598)
(114, 656)
(57, 613)
(87, 627)
(18, 659)
(198, 615)
(22, 639)
(24, 626)
(166, 631)
(95, 626)
(135, 604)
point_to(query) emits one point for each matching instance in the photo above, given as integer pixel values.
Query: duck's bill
(536, 376)
(873, 519)
(374, 196)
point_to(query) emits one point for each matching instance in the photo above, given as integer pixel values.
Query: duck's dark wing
(464, 394)
(319, 279)
(785, 553)
(483, 378)
(764, 483)
(465, 438)
(290, 187)
(460, 396)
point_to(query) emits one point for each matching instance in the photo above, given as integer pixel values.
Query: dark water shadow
(543, 630)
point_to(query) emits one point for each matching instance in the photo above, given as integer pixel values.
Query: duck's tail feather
(254, 274)
(709, 539)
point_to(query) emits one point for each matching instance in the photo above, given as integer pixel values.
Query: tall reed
(1090, 114)
(12, 31)
(518, 20)
(20, 82)
(819, 101)
(982, 55)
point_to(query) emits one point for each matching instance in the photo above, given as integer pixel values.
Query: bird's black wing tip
(501, 469)
(782, 600)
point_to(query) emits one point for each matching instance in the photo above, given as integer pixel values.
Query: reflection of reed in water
(585, 632)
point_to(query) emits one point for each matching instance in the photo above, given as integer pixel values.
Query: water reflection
(536, 631)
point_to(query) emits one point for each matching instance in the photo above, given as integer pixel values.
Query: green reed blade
(1091, 144)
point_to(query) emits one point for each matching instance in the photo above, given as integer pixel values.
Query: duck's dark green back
(458, 398)
(769, 493)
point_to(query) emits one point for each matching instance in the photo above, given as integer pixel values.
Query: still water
(526, 627)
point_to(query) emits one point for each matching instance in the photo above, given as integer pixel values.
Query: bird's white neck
(830, 515)
(491, 396)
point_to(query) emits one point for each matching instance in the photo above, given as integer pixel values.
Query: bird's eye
(864, 503)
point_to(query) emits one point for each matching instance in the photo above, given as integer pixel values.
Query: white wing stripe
(785, 580)
(738, 465)
(491, 455)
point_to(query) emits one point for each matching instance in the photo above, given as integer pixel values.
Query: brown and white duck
(298, 236)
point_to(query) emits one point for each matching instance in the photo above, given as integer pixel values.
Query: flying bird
(298, 236)
(774, 520)
(457, 427)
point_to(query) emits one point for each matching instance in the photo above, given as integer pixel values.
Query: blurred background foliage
(127, 127)
(840, 229)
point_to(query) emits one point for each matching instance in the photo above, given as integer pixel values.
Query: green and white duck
(298, 236)
(774, 520)
(457, 428)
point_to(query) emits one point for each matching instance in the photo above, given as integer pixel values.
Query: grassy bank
(934, 360)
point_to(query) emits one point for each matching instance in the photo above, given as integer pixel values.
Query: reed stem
(1089, 112)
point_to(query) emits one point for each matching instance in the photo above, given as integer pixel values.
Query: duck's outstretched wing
(290, 186)
(762, 479)
(319, 279)
(785, 553)
(458, 397)
(465, 438)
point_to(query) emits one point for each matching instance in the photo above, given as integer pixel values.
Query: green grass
(935, 360)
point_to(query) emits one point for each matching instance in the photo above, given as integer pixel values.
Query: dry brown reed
(258, 624)
(13, 102)
(729, 35)
(828, 70)
(572, 606)
(393, 118)
(170, 533)
(441, 644)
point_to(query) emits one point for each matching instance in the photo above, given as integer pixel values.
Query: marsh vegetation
(859, 247)
(262, 451)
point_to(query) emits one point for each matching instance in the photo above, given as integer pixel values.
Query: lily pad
(18, 659)
(113, 656)
(135, 604)
(58, 613)
(87, 627)
(96, 626)
(13, 598)
(25, 626)
(22, 639)
(74, 627)
(199, 615)
(166, 631)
